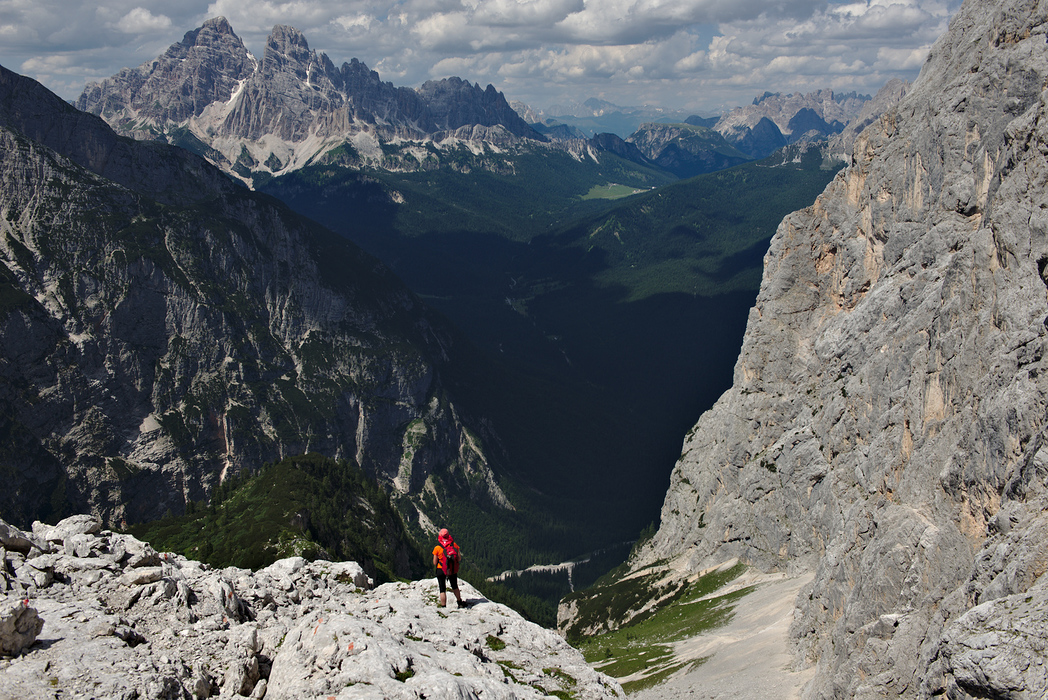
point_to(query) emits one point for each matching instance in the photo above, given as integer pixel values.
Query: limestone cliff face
(161, 328)
(886, 427)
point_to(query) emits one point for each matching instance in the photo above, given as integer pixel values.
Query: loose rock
(296, 629)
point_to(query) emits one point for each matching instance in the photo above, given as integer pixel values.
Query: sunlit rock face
(886, 425)
(292, 105)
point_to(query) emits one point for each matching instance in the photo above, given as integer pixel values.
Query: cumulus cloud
(529, 14)
(680, 53)
(141, 20)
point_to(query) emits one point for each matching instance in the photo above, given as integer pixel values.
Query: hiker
(446, 559)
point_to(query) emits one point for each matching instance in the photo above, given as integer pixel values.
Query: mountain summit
(209, 94)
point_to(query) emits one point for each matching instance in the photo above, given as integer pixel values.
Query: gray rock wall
(885, 427)
(149, 348)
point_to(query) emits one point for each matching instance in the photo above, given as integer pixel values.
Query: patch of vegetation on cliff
(309, 506)
(642, 616)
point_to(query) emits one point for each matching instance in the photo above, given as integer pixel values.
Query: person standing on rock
(446, 559)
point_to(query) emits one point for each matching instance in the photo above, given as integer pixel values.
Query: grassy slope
(642, 616)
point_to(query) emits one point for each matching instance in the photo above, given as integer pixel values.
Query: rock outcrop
(162, 328)
(886, 427)
(120, 620)
(840, 145)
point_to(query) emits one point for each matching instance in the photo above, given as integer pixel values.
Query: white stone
(391, 642)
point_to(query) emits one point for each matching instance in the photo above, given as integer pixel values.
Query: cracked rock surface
(886, 427)
(116, 619)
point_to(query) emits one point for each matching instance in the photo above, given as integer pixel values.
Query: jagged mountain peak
(284, 34)
(208, 93)
(206, 67)
(287, 48)
(780, 109)
(455, 103)
(211, 28)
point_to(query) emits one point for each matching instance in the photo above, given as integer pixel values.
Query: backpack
(451, 556)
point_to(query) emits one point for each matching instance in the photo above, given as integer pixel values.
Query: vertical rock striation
(886, 427)
(162, 328)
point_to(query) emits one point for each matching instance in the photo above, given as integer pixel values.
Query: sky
(703, 56)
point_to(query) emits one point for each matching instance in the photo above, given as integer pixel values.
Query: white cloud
(902, 59)
(694, 53)
(140, 21)
(525, 13)
(352, 23)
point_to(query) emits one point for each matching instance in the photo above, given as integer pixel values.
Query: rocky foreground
(92, 613)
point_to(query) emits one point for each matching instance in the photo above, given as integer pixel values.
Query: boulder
(17, 541)
(19, 626)
(84, 524)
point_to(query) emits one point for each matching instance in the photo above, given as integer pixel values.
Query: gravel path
(750, 657)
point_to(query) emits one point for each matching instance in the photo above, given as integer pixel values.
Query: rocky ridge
(133, 381)
(686, 150)
(270, 115)
(886, 427)
(88, 612)
(774, 120)
(783, 109)
(840, 144)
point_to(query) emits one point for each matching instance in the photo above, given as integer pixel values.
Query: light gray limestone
(886, 426)
(295, 629)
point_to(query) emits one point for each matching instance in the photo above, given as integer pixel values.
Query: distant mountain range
(263, 117)
(293, 106)
(595, 116)
(757, 130)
